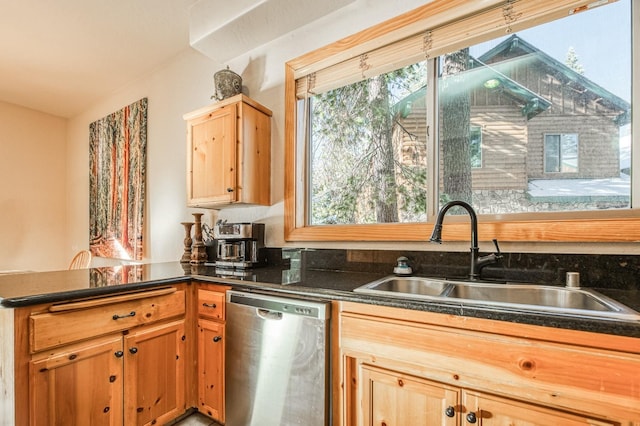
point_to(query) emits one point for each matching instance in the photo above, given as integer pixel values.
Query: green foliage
(355, 169)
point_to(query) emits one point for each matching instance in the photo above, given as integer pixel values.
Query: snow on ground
(580, 187)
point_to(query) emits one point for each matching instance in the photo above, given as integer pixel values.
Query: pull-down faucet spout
(477, 263)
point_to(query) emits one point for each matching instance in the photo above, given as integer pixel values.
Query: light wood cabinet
(107, 361)
(394, 398)
(211, 349)
(211, 304)
(489, 410)
(400, 367)
(154, 374)
(71, 322)
(229, 154)
(211, 341)
(78, 385)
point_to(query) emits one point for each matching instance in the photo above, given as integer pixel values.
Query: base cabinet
(78, 385)
(489, 410)
(154, 374)
(86, 384)
(124, 364)
(211, 348)
(211, 368)
(394, 398)
(405, 368)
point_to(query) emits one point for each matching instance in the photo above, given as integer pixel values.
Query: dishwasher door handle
(269, 315)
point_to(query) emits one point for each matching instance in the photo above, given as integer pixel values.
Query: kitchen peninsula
(54, 319)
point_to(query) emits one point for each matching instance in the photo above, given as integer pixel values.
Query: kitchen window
(448, 102)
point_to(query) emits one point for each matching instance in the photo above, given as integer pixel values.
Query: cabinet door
(489, 410)
(212, 157)
(391, 398)
(211, 343)
(78, 385)
(154, 391)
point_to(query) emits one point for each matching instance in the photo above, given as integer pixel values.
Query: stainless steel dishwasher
(277, 361)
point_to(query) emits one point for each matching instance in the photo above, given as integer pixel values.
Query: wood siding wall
(513, 147)
(573, 110)
(598, 145)
(504, 146)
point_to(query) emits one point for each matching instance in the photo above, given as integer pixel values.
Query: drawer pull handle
(449, 411)
(209, 305)
(217, 339)
(471, 417)
(130, 314)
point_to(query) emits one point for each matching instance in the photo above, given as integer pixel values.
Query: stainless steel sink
(416, 286)
(559, 300)
(543, 296)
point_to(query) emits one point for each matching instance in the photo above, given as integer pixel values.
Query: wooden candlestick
(186, 256)
(199, 251)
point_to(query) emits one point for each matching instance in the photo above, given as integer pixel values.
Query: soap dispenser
(402, 268)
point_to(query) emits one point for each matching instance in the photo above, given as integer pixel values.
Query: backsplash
(597, 271)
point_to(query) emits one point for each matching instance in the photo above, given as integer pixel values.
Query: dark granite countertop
(46, 287)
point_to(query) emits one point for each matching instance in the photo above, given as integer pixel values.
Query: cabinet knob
(229, 189)
(217, 339)
(471, 417)
(449, 411)
(119, 354)
(133, 350)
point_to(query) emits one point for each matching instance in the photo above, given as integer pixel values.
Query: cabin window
(561, 153)
(385, 127)
(475, 146)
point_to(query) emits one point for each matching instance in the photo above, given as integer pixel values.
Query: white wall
(33, 160)
(180, 86)
(185, 84)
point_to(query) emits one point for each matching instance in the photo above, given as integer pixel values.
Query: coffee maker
(238, 245)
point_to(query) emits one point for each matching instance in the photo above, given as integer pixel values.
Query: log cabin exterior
(520, 97)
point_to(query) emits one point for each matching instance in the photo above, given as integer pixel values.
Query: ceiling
(229, 29)
(62, 56)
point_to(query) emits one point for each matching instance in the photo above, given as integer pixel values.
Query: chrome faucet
(477, 262)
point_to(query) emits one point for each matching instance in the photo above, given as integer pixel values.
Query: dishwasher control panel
(275, 304)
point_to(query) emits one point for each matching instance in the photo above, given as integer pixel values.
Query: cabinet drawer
(47, 330)
(211, 304)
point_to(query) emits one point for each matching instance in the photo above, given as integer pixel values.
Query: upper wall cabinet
(229, 154)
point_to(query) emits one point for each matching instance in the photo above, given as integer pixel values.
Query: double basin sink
(526, 297)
